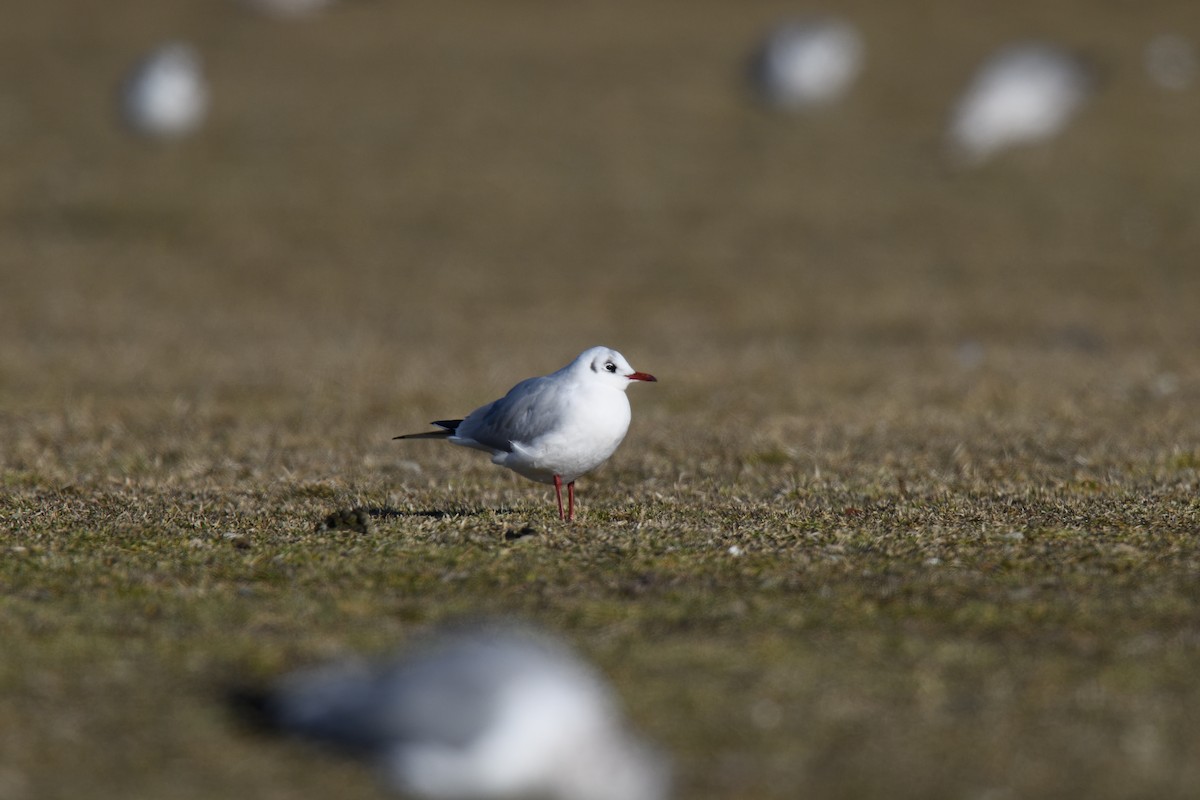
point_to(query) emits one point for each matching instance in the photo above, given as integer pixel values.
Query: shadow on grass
(387, 512)
(362, 518)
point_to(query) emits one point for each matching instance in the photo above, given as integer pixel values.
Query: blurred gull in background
(807, 63)
(1171, 62)
(486, 712)
(286, 8)
(1023, 94)
(166, 94)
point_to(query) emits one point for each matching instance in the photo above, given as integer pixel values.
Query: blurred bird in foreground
(555, 428)
(1023, 94)
(166, 94)
(490, 712)
(807, 63)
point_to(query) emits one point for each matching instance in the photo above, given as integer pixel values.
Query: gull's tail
(449, 426)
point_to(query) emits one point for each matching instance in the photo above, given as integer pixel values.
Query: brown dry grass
(949, 419)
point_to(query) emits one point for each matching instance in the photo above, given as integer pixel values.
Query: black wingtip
(426, 435)
(448, 426)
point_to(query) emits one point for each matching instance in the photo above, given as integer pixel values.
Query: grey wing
(449, 694)
(335, 704)
(521, 416)
(369, 709)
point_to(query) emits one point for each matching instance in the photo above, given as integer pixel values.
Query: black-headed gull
(554, 428)
(807, 62)
(496, 712)
(166, 94)
(1023, 94)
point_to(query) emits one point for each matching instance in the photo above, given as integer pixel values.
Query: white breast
(586, 434)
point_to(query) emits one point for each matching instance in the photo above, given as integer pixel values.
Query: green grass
(911, 513)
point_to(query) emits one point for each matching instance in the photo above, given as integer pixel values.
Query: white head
(609, 366)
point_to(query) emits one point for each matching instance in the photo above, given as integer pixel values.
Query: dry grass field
(946, 420)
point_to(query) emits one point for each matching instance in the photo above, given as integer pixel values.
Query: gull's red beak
(641, 376)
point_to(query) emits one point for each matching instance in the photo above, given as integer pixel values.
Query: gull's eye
(610, 366)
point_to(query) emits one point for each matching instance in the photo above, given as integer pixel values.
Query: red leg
(570, 501)
(558, 494)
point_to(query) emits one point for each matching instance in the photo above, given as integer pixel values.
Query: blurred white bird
(807, 63)
(494, 712)
(1171, 62)
(166, 94)
(555, 428)
(1023, 94)
(286, 8)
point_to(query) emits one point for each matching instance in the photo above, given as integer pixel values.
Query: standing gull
(555, 428)
(495, 712)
